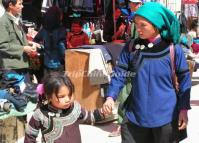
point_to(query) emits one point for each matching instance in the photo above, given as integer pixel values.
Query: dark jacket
(54, 46)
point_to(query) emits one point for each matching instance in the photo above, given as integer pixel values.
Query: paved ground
(99, 134)
(193, 126)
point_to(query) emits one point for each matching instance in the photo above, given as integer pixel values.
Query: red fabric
(75, 40)
(117, 13)
(189, 1)
(195, 48)
(118, 41)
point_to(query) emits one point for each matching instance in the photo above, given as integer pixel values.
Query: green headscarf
(162, 18)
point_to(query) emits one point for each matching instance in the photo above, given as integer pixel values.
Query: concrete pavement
(193, 125)
(98, 134)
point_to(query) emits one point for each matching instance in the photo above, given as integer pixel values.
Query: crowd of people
(155, 107)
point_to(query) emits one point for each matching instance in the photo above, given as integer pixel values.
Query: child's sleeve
(32, 129)
(184, 79)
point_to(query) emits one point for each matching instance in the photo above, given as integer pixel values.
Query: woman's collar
(152, 40)
(148, 44)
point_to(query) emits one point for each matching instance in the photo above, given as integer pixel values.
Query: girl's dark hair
(53, 81)
(52, 18)
(6, 3)
(77, 21)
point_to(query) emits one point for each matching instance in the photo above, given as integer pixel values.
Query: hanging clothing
(191, 10)
(45, 5)
(62, 4)
(83, 5)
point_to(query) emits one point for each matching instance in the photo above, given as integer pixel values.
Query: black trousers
(168, 133)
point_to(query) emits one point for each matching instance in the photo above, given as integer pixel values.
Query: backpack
(173, 68)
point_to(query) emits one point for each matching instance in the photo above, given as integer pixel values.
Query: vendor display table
(12, 124)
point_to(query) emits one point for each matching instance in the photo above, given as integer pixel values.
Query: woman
(52, 36)
(154, 112)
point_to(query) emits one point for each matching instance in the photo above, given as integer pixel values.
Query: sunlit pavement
(99, 133)
(193, 125)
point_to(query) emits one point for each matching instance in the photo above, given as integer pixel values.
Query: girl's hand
(183, 120)
(108, 106)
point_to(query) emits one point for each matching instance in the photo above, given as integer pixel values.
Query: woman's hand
(108, 106)
(183, 120)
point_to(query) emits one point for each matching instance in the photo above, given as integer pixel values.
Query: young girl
(59, 119)
(77, 36)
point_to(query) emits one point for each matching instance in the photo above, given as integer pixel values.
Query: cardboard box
(76, 67)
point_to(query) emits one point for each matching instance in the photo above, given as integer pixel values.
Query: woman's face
(144, 28)
(63, 100)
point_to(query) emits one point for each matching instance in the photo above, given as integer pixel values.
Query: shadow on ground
(195, 78)
(194, 102)
(195, 82)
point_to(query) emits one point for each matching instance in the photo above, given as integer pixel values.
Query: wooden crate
(11, 130)
(76, 64)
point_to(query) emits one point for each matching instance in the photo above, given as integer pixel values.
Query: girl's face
(144, 28)
(76, 28)
(62, 100)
